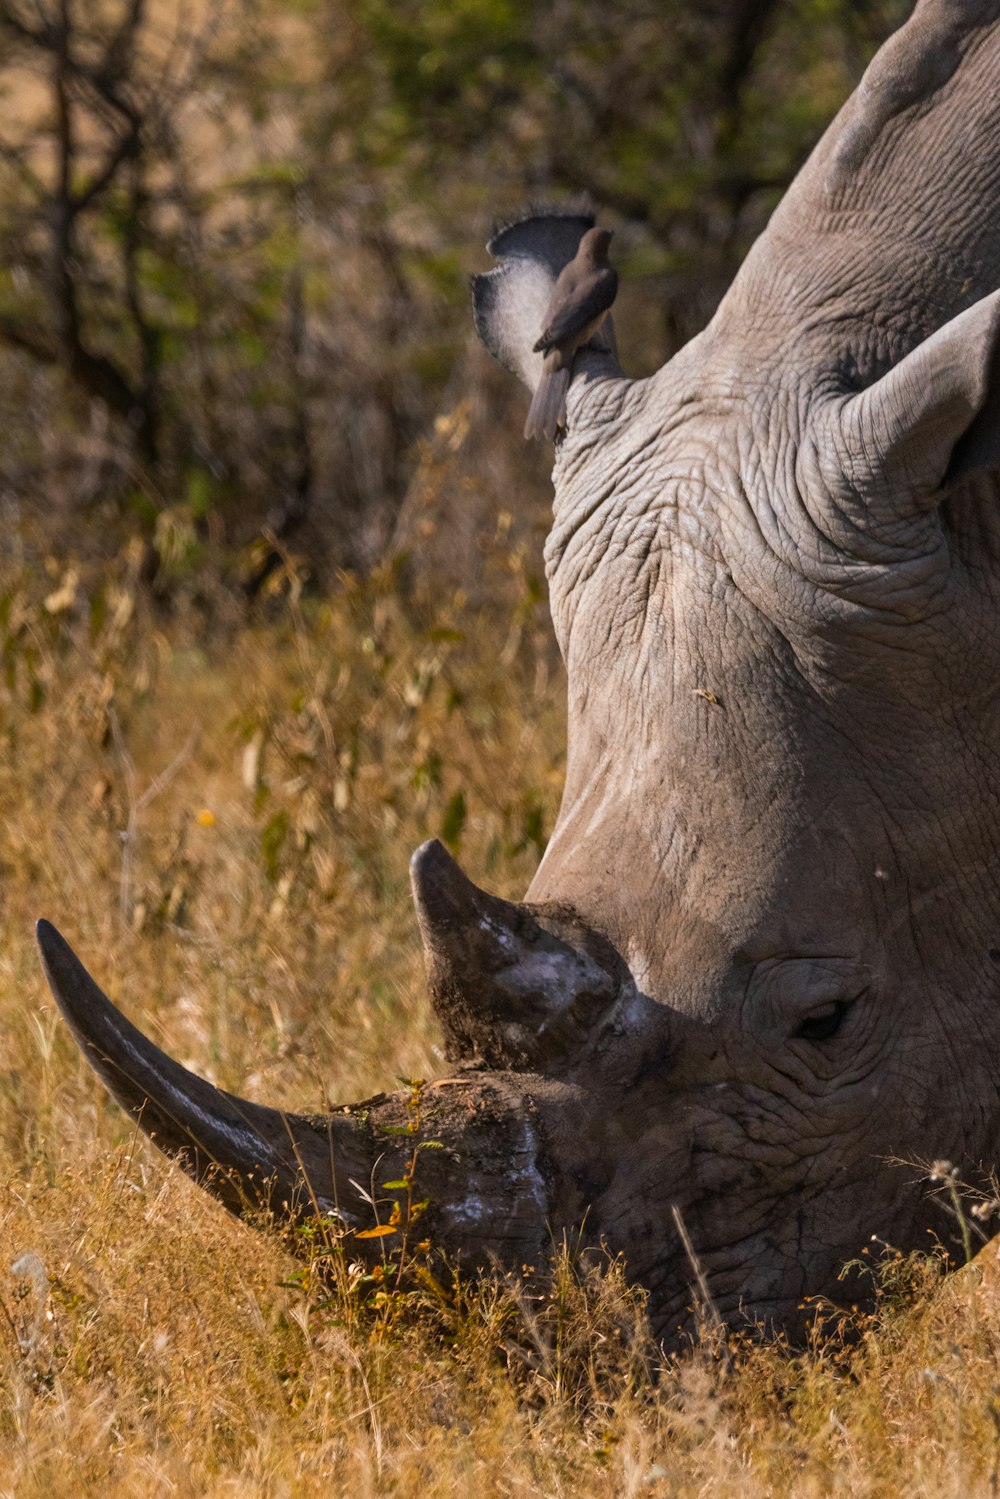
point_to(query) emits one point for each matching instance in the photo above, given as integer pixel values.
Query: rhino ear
(509, 302)
(933, 420)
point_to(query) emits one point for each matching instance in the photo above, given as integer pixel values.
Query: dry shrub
(219, 813)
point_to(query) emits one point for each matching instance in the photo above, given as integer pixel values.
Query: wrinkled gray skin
(761, 955)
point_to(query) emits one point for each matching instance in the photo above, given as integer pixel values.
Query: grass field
(219, 816)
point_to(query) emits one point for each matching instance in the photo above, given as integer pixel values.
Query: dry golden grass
(250, 910)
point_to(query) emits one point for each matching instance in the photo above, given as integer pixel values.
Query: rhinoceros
(760, 959)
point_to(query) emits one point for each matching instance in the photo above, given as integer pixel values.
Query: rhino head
(761, 955)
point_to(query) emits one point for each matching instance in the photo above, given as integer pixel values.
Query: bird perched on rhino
(580, 301)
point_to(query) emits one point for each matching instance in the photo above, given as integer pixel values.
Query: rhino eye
(823, 1025)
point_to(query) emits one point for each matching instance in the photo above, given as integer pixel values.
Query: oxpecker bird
(581, 299)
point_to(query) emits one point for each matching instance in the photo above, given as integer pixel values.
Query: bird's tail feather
(547, 412)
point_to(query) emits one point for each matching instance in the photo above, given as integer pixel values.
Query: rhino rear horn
(249, 1156)
(512, 986)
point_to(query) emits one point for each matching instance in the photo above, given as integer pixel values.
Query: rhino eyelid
(824, 1024)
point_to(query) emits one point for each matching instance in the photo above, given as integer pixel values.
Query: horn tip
(73, 989)
(441, 891)
(51, 943)
(429, 857)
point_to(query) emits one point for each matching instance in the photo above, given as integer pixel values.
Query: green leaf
(200, 492)
(454, 821)
(272, 840)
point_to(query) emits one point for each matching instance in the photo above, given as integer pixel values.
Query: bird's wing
(578, 305)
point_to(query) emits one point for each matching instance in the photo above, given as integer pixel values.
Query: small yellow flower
(205, 817)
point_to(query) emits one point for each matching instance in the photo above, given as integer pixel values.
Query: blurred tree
(685, 120)
(233, 242)
(87, 152)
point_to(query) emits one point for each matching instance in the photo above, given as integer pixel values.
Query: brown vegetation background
(272, 611)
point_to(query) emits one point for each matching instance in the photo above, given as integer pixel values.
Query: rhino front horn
(513, 985)
(249, 1156)
(484, 1186)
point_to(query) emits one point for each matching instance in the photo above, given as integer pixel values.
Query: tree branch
(126, 147)
(14, 331)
